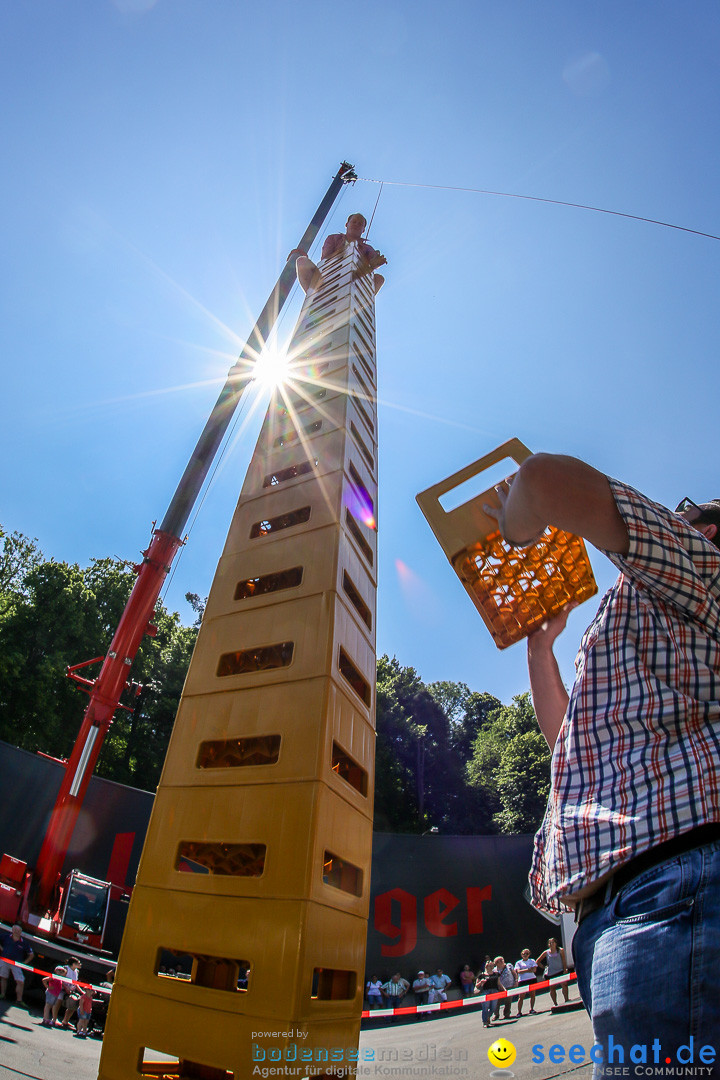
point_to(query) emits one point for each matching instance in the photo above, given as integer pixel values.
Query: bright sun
(272, 367)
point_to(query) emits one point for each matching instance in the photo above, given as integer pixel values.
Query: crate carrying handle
(456, 529)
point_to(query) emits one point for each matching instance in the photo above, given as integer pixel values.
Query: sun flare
(272, 367)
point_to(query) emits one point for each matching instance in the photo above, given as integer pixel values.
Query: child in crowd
(84, 1012)
(53, 989)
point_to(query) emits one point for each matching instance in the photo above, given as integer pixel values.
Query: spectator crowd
(494, 975)
(63, 990)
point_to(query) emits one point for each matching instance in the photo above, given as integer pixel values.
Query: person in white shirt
(525, 970)
(373, 992)
(421, 988)
(71, 995)
(439, 983)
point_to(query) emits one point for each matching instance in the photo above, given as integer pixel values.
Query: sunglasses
(687, 504)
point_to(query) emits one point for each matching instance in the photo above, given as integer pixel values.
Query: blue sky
(162, 158)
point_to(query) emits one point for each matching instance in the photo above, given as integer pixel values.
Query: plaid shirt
(637, 759)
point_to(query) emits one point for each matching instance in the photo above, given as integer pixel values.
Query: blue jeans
(488, 1008)
(648, 968)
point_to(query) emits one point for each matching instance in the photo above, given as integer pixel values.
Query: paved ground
(29, 1050)
(448, 1046)
(457, 1046)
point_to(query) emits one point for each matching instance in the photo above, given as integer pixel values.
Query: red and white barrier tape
(476, 999)
(39, 971)
(407, 1010)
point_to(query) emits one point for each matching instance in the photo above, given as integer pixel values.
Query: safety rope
(373, 213)
(63, 978)
(537, 198)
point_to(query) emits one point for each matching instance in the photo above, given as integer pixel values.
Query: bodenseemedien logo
(640, 1059)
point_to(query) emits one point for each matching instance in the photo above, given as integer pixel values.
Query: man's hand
(502, 491)
(551, 629)
(377, 260)
(550, 489)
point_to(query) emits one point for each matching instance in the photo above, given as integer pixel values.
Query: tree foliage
(510, 765)
(467, 710)
(454, 759)
(18, 556)
(55, 614)
(418, 775)
(425, 736)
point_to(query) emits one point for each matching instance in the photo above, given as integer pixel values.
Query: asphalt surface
(448, 1046)
(456, 1046)
(27, 1049)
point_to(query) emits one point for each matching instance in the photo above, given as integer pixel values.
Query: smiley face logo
(501, 1054)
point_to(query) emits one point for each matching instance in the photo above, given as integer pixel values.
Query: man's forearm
(550, 489)
(550, 698)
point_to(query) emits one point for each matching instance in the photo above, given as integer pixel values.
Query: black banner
(436, 901)
(445, 901)
(110, 832)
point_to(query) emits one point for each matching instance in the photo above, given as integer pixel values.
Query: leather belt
(670, 849)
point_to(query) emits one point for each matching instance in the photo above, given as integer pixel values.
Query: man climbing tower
(310, 276)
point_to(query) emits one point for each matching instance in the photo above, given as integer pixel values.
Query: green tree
(396, 806)
(18, 556)
(467, 710)
(43, 632)
(420, 767)
(510, 765)
(523, 779)
(198, 605)
(64, 615)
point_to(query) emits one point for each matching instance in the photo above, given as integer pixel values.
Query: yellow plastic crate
(514, 589)
(142, 1028)
(284, 942)
(274, 835)
(323, 734)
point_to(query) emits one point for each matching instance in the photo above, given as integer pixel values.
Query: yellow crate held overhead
(514, 589)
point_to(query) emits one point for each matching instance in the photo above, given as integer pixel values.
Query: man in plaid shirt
(631, 835)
